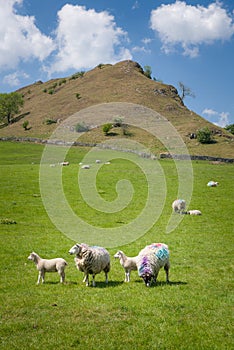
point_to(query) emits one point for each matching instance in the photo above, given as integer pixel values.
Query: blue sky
(182, 41)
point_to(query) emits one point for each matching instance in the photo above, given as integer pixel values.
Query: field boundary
(165, 155)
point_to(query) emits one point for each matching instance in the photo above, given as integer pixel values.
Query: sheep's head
(147, 277)
(118, 254)
(32, 256)
(76, 249)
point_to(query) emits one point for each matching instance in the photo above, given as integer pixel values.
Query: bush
(77, 75)
(204, 135)
(118, 122)
(106, 128)
(25, 124)
(81, 127)
(78, 96)
(230, 128)
(50, 121)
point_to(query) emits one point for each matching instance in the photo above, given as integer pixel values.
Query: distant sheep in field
(194, 212)
(64, 163)
(179, 206)
(212, 184)
(48, 265)
(128, 264)
(85, 166)
(91, 260)
(150, 260)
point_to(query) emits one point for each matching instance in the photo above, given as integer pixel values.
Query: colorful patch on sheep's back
(181, 200)
(162, 253)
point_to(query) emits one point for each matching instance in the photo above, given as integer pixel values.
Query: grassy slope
(193, 312)
(122, 82)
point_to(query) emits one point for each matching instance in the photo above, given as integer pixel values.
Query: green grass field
(194, 311)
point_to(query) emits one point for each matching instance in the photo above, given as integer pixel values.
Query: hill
(125, 81)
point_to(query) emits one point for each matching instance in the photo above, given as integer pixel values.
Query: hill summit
(55, 100)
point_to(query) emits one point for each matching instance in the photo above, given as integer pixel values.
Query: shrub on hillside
(81, 127)
(106, 128)
(204, 135)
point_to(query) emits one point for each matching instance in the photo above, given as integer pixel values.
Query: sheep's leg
(94, 284)
(155, 277)
(41, 276)
(106, 274)
(62, 276)
(166, 268)
(86, 280)
(127, 278)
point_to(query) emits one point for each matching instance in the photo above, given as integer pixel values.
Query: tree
(185, 91)
(10, 105)
(230, 128)
(204, 135)
(147, 71)
(106, 128)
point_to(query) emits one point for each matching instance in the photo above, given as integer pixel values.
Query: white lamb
(91, 260)
(179, 206)
(85, 166)
(194, 212)
(150, 260)
(51, 265)
(212, 184)
(128, 263)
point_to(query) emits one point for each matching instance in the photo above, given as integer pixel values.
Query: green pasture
(194, 311)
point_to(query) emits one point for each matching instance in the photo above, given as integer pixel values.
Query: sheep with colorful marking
(91, 260)
(150, 260)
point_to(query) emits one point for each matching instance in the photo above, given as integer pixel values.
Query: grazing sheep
(178, 206)
(128, 264)
(150, 260)
(91, 260)
(86, 166)
(64, 163)
(194, 212)
(212, 184)
(51, 265)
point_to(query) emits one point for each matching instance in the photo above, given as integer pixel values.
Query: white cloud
(20, 39)
(223, 120)
(189, 26)
(140, 49)
(14, 78)
(86, 38)
(135, 5)
(219, 119)
(209, 112)
(146, 41)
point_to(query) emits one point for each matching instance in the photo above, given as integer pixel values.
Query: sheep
(194, 212)
(51, 265)
(212, 184)
(150, 260)
(128, 264)
(91, 260)
(64, 163)
(86, 166)
(178, 206)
